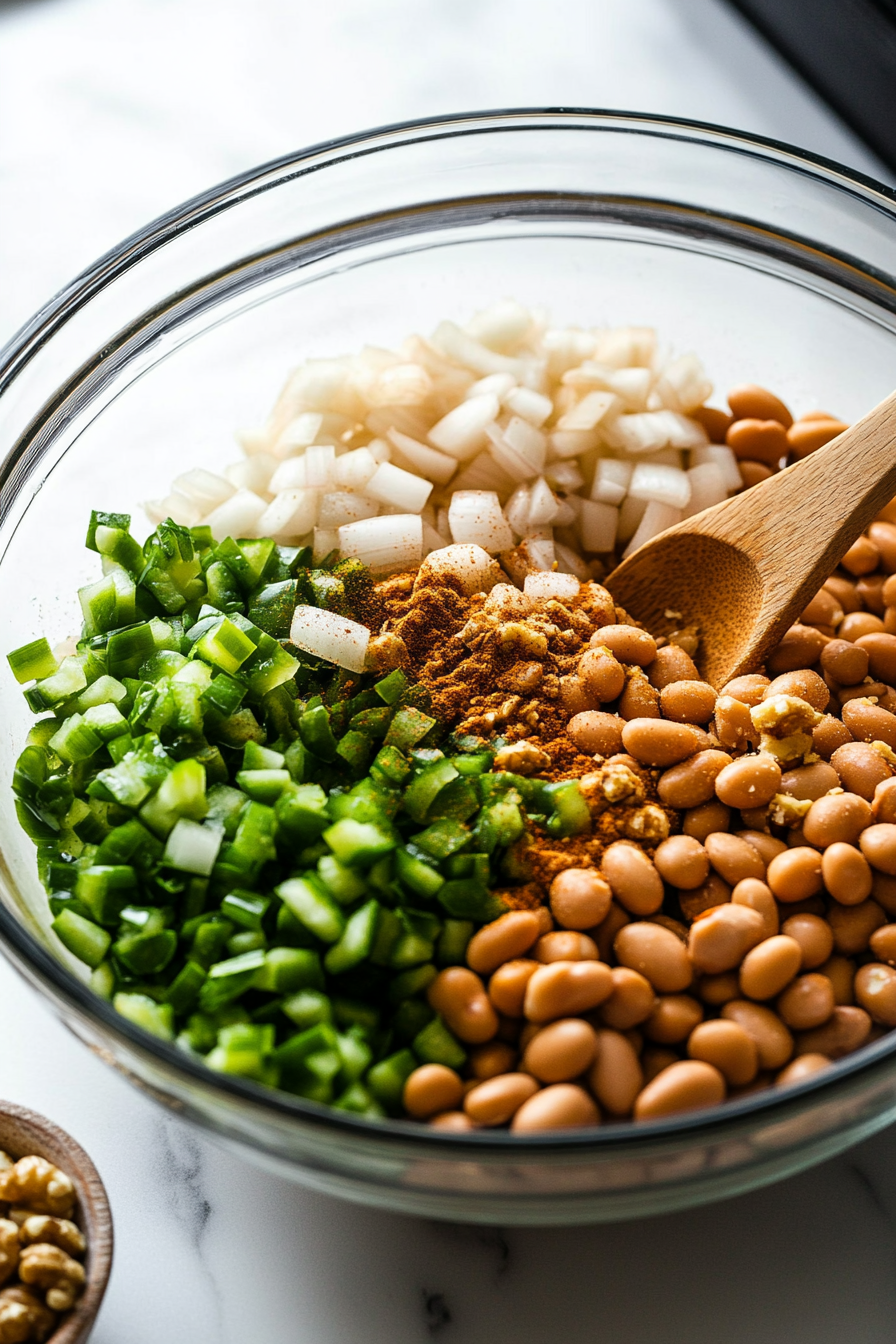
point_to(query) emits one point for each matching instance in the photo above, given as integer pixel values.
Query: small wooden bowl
(24, 1132)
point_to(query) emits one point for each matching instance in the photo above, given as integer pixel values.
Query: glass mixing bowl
(775, 266)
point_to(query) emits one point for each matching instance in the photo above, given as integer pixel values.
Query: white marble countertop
(111, 111)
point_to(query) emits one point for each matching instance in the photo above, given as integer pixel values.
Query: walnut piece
(9, 1248)
(23, 1317)
(522, 758)
(40, 1186)
(57, 1231)
(49, 1267)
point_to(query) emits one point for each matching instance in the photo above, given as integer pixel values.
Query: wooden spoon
(742, 571)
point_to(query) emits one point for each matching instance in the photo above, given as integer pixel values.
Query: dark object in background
(846, 49)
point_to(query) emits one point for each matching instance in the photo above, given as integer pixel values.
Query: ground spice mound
(492, 663)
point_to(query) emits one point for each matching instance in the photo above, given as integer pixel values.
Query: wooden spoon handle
(829, 498)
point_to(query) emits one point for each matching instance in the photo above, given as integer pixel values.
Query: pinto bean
(687, 1085)
(632, 877)
(504, 939)
(657, 954)
(692, 782)
(720, 939)
(616, 1076)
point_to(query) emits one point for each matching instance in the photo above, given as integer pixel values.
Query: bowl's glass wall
(772, 270)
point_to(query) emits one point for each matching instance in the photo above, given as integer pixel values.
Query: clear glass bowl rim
(33, 959)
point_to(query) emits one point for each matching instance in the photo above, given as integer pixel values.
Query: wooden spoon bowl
(23, 1133)
(743, 570)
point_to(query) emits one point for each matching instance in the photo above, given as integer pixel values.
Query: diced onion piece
(380, 450)
(299, 434)
(543, 506)
(254, 441)
(320, 466)
(723, 457)
(573, 442)
(664, 485)
(708, 487)
(238, 516)
(333, 638)
(338, 507)
(649, 431)
(475, 516)
(611, 481)
(657, 517)
(667, 457)
(293, 513)
(204, 488)
(462, 348)
(253, 473)
(461, 433)
(501, 326)
(431, 539)
(519, 448)
(177, 507)
(426, 461)
(326, 540)
(631, 511)
(400, 385)
(473, 566)
(626, 347)
(496, 384)
(597, 525)
(353, 470)
(540, 552)
(543, 586)
(393, 485)
(683, 384)
(590, 411)
(569, 562)
(484, 473)
(564, 476)
(290, 475)
(385, 544)
(529, 405)
(516, 510)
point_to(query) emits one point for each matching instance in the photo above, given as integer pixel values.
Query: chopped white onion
(597, 525)
(253, 473)
(661, 484)
(519, 448)
(543, 586)
(496, 385)
(426, 461)
(724, 458)
(338, 507)
(516, 510)
(683, 385)
(290, 475)
(590, 411)
(564, 476)
(502, 326)
(320, 466)
(353, 470)
(237, 516)
(386, 544)
(657, 517)
(326, 540)
(298, 434)
(475, 516)
(484, 473)
(529, 405)
(204, 488)
(649, 431)
(400, 385)
(333, 638)
(293, 513)
(708, 487)
(543, 505)
(177, 507)
(573, 442)
(475, 568)
(461, 433)
(611, 480)
(570, 562)
(631, 511)
(380, 450)
(464, 349)
(402, 489)
(626, 347)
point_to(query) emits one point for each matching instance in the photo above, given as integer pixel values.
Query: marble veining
(112, 111)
